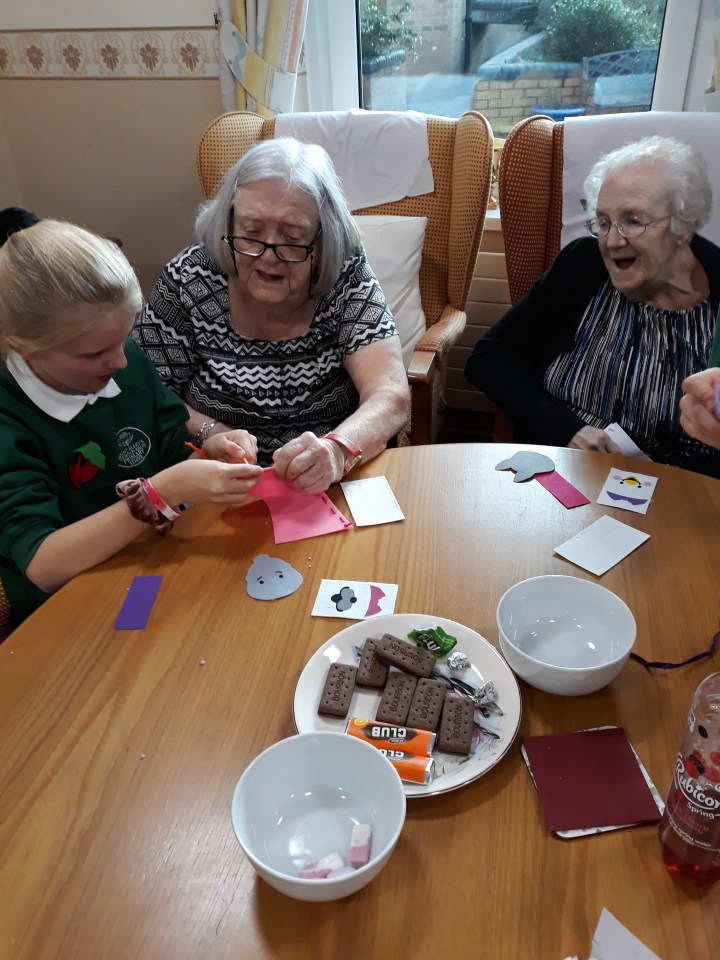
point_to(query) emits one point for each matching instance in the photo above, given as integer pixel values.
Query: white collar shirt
(60, 406)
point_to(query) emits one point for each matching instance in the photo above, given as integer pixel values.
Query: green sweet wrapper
(433, 639)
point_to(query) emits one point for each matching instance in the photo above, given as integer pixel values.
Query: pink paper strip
(568, 495)
(297, 515)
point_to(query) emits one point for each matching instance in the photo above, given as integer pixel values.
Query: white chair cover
(380, 156)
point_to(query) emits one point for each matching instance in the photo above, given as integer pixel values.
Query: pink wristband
(157, 501)
(141, 507)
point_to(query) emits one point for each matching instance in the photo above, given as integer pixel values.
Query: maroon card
(589, 779)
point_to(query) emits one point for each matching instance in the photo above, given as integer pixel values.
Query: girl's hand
(697, 407)
(207, 481)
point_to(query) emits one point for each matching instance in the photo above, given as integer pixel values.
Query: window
(503, 57)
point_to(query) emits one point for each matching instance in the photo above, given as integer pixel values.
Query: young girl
(82, 411)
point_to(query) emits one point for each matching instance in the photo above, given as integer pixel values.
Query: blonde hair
(55, 278)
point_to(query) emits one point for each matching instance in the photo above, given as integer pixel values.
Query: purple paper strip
(135, 611)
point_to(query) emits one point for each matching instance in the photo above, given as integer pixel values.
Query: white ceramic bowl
(563, 634)
(298, 801)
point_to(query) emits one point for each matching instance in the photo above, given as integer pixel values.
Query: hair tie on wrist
(142, 507)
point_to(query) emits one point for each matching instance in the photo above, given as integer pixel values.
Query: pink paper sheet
(297, 515)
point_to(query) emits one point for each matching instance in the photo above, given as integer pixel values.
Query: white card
(612, 941)
(600, 546)
(354, 599)
(629, 491)
(626, 443)
(371, 501)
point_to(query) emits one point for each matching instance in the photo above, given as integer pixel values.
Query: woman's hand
(697, 407)
(590, 438)
(310, 463)
(233, 446)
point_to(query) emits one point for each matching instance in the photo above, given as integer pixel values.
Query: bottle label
(692, 790)
(693, 810)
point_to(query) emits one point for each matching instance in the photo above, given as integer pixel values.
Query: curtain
(261, 43)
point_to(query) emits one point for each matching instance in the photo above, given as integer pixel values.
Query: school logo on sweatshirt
(133, 446)
(86, 461)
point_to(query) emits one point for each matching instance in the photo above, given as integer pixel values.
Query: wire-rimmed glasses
(289, 252)
(628, 227)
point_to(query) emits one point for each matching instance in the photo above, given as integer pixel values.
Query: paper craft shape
(371, 501)
(589, 779)
(612, 941)
(568, 495)
(600, 546)
(297, 515)
(354, 599)
(625, 442)
(270, 578)
(135, 611)
(629, 491)
(526, 463)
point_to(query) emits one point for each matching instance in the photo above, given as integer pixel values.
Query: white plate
(487, 664)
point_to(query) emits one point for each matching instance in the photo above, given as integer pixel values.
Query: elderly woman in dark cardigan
(610, 332)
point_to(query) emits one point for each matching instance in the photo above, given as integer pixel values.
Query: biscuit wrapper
(388, 736)
(411, 768)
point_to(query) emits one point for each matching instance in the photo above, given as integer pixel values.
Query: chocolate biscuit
(337, 692)
(372, 672)
(426, 704)
(456, 724)
(405, 655)
(396, 698)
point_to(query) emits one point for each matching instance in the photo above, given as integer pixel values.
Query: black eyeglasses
(290, 252)
(628, 227)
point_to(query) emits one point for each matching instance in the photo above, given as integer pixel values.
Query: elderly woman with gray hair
(612, 329)
(274, 322)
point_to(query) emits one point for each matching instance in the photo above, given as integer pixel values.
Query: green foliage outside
(583, 28)
(382, 31)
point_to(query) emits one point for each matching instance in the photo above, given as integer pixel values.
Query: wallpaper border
(109, 54)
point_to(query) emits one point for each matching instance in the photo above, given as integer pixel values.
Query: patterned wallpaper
(109, 54)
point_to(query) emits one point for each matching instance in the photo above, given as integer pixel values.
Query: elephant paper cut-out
(269, 578)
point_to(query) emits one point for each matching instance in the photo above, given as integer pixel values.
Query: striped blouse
(627, 366)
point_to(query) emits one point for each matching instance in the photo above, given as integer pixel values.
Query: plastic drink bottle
(690, 825)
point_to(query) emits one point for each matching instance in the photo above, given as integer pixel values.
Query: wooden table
(119, 751)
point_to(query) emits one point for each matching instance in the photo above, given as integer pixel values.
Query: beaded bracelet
(142, 508)
(204, 432)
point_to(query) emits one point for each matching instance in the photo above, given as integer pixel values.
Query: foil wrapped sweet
(457, 660)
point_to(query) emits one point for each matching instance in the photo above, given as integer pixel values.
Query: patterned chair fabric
(530, 198)
(461, 158)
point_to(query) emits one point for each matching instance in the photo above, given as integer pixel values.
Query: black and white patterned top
(627, 366)
(273, 389)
